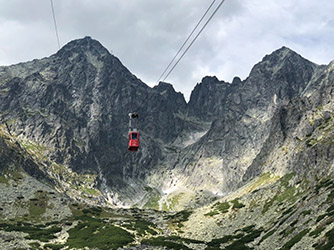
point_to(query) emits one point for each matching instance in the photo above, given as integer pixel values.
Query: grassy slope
(287, 212)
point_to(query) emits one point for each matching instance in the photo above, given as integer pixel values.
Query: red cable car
(133, 141)
(133, 133)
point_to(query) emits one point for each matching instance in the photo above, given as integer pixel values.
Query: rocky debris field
(286, 212)
(251, 167)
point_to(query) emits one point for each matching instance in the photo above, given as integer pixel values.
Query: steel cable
(192, 32)
(55, 23)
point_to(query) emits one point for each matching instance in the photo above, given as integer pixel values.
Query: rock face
(208, 98)
(252, 118)
(249, 163)
(73, 107)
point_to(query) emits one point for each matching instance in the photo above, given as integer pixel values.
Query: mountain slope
(247, 164)
(292, 212)
(74, 105)
(244, 115)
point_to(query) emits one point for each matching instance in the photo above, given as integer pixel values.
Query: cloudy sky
(146, 34)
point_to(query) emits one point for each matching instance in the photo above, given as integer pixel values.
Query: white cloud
(145, 34)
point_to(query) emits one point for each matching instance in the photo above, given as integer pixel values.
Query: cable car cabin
(133, 141)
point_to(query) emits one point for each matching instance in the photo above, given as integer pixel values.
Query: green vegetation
(295, 239)
(148, 189)
(95, 233)
(247, 229)
(4, 180)
(225, 239)
(247, 234)
(316, 232)
(289, 210)
(11, 174)
(16, 176)
(170, 242)
(35, 245)
(310, 142)
(76, 209)
(77, 181)
(330, 196)
(34, 147)
(286, 194)
(329, 214)
(330, 219)
(89, 191)
(211, 213)
(294, 223)
(82, 212)
(95, 229)
(306, 212)
(330, 209)
(163, 241)
(179, 217)
(36, 150)
(264, 178)
(173, 201)
(35, 232)
(53, 246)
(141, 227)
(222, 207)
(320, 217)
(288, 213)
(38, 205)
(287, 231)
(267, 235)
(93, 211)
(286, 179)
(153, 201)
(326, 183)
(329, 244)
(237, 204)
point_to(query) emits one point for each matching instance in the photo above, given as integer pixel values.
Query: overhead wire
(55, 23)
(192, 32)
(195, 38)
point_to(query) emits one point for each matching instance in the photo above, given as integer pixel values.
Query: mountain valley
(242, 165)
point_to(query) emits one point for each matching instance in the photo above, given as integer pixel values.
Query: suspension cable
(192, 32)
(192, 42)
(55, 23)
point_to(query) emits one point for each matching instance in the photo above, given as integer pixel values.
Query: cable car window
(134, 136)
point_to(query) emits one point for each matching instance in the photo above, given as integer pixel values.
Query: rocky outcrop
(244, 115)
(208, 98)
(251, 161)
(302, 130)
(73, 106)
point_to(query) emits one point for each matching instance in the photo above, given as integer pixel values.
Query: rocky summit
(243, 165)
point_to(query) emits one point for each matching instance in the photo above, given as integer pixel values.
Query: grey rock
(74, 106)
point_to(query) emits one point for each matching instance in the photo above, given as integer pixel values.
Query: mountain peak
(164, 86)
(83, 45)
(283, 54)
(285, 49)
(209, 80)
(282, 61)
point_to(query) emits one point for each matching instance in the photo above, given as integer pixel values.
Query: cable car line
(55, 23)
(192, 42)
(192, 32)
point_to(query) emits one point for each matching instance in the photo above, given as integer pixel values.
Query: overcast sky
(146, 34)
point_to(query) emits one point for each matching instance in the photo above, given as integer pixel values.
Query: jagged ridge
(75, 104)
